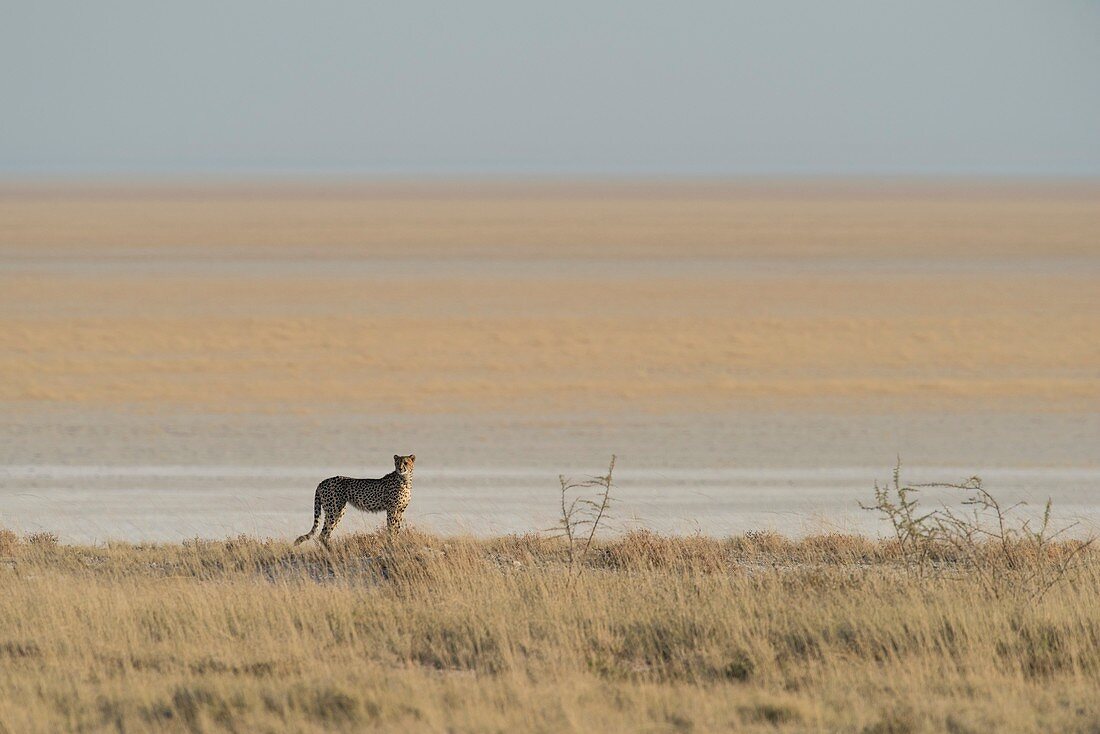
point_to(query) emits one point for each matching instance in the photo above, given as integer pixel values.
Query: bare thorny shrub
(1010, 556)
(584, 505)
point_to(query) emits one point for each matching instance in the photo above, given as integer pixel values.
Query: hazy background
(722, 88)
(247, 245)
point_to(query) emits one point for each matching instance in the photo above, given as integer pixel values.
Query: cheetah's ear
(412, 457)
(396, 457)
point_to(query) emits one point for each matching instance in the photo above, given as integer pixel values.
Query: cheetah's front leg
(395, 520)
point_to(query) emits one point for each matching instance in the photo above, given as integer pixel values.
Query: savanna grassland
(425, 633)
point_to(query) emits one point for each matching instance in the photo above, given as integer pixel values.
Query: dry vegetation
(752, 633)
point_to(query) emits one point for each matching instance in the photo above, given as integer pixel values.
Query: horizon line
(276, 177)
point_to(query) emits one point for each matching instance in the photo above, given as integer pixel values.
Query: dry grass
(754, 633)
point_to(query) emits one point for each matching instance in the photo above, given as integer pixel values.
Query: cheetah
(390, 493)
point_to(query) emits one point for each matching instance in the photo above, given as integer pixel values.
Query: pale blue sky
(563, 87)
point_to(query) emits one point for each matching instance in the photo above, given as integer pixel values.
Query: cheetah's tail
(316, 517)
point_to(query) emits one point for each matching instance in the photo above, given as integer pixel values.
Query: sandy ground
(535, 328)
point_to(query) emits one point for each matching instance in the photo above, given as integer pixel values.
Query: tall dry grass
(753, 633)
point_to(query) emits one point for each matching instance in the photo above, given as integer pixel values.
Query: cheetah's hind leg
(333, 514)
(316, 518)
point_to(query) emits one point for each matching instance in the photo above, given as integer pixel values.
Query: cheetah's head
(404, 464)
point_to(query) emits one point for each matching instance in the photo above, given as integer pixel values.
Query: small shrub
(1009, 556)
(581, 514)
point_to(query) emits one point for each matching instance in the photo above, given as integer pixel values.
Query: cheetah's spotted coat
(390, 493)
